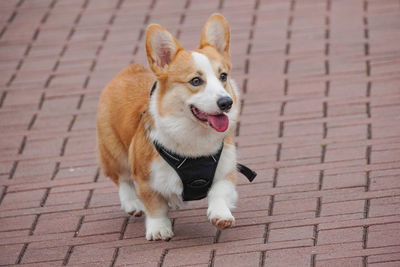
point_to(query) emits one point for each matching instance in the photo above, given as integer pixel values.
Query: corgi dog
(184, 109)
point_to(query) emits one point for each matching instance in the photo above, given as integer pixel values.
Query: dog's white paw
(129, 201)
(158, 229)
(133, 207)
(221, 218)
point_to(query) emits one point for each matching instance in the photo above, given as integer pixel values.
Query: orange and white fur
(182, 115)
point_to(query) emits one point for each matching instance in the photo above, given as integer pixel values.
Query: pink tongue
(219, 122)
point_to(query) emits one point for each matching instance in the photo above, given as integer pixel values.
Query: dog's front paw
(221, 220)
(158, 229)
(133, 207)
(223, 224)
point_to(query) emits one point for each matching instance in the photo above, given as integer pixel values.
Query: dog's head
(195, 90)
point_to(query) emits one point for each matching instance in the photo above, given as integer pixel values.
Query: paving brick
(67, 198)
(292, 257)
(52, 122)
(194, 230)
(350, 262)
(135, 228)
(34, 170)
(293, 206)
(385, 258)
(287, 234)
(90, 254)
(385, 264)
(56, 223)
(294, 178)
(340, 236)
(384, 206)
(184, 256)
(245, 232)
(243, 259)
(36, 255)
(101, 227)
(132, 256)
(20, 200)
(39, 148)
(344, 154)
(356, 206)
(16, 223)
(344, 180)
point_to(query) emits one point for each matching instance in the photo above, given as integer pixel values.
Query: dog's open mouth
(219, 122)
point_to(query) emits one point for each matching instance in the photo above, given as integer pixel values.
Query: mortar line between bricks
(68, 255)
(318, 208)
(182, 18)
(34, 224)
(262, 258)
(368, 154)
(98, 51)
(22, 146)
(212, 258)
(71, 248)
(3, 97)
(64, 146)
(32, 122)
(11, 18)
(141, 32)
(327, 88)
(275, 177)
(88, 199)
(3, 193)
(30, 44)
(288, 37)
(31, 231)
(162, 257)
(364, 261)
(13, 169)
(220, 5)
(97, 175)
(123, 228)
(313, 260)
(65, 46)
(55, 171)
(44, 198)
(315, 234)
(217, 236)
(115, 256)
(22, 253)
(77, 229)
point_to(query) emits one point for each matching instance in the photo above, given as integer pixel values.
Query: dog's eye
(223, 76)
(196, 81)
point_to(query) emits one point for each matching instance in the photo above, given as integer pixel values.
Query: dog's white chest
(166, 181)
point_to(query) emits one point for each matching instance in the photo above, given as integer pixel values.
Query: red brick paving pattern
(320, 85)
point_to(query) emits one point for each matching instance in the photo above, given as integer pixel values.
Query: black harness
(196, 174)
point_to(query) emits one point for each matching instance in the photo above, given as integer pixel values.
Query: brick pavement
(320, 83)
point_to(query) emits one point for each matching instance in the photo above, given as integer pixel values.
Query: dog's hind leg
(130, 203)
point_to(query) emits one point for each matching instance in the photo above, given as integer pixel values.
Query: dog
(165, 136)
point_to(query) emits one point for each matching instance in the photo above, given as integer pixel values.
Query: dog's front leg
(158, 225)
(221, 199)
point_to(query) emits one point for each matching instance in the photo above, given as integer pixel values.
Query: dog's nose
(225, 103)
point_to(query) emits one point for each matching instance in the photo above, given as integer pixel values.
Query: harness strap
(250, 174)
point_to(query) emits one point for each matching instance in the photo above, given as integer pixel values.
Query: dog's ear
(161, 48)
(216, 33)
